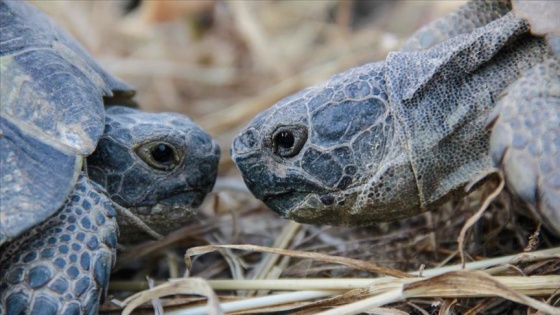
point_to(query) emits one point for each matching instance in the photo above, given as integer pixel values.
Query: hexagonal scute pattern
(62, 266)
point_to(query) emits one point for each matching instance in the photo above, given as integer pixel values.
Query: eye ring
(159, 155)
(287, 141)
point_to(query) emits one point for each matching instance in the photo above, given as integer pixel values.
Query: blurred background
(221, 62)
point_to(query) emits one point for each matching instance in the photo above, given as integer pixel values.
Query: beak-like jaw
(282, 188)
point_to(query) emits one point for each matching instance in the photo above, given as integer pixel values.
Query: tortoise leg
(62, 266)
(525, 140)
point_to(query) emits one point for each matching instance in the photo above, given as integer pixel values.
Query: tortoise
(69, 159)
(468, 93)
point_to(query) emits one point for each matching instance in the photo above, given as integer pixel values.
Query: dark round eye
(162, 153)
(287, 141)
(159, 155)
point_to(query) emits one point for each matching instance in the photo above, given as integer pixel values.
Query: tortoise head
(329, 154)
(161, 166)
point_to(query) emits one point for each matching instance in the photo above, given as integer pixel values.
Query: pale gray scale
(294, 109)
(24, 27)
(71, 117)
(322, 97)
(464, 20)
(543, 17)
(24, 162)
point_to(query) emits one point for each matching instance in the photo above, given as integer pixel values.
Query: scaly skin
(58, 230)
(163, 195)
(62, 266)
(392, 139)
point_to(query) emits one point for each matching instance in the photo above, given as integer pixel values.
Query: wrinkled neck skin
(386, 140)
(442, 98)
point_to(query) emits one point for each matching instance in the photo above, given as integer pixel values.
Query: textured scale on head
(160, 166)
(392, 139)
(328, 151)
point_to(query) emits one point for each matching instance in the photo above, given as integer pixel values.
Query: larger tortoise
(387, 140)
(58, 228)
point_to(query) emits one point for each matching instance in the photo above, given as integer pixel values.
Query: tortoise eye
(159, 155)
(162, 153)
(284, 139)
(287, 141)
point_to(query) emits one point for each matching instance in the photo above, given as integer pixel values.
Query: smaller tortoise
(392, 139)
(58, 229)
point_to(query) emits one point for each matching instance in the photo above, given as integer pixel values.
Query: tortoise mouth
(283, 203)
(325, 208)
(161, 218)
(190, 198)
(166, 216)
(173, 205)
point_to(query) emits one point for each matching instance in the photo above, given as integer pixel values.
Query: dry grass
(223, 62)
